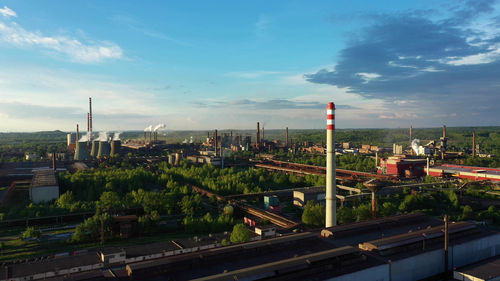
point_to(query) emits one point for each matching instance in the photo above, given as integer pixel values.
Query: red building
(402, 166)
(466, 172)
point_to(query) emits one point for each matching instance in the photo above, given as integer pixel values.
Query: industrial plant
(282, 244)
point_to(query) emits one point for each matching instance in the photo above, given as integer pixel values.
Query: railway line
(247, 209)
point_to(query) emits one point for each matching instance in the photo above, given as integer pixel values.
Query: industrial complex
(405, 246)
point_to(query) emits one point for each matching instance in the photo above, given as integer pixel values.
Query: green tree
(314, 214)
(110, 200)
(467, 213)
(240, 234)
(363, 212)
(388, 209)
(31, 232)
(65, 200)
(345, 215)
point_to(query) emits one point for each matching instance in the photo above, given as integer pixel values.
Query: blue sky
(228, 64)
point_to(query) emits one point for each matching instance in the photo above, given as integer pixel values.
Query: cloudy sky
(228, 64)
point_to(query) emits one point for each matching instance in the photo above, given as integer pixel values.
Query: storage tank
(95, 148)
(104, 149)
(171, 159)
(115, 147)
(82, 151)
(70, 138)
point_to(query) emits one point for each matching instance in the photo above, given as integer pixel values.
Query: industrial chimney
(54, 165)
(90, 119)
(77, 134)
(257, 141)
(215, 142)
(331, 206)
(474, 144)
(286, 142)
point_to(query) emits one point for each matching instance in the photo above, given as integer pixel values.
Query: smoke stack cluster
(331, 205)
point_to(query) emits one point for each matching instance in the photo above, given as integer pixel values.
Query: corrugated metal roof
(44, 177)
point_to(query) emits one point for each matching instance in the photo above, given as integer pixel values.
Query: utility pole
(102, 230)
(446, 244)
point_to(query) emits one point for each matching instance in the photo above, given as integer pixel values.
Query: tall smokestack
(54, 166)
(257, 141)
(331, 207)
(444, 131)
(286, 142)
(77, 134)
(411, 133)
(88, 126)
(474, 144)
(262, 133)
(90, 119)
(215, 143)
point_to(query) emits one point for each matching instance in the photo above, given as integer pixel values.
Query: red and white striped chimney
(90, 119)
(331, 206)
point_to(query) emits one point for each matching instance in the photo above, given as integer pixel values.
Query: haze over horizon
(224, 64)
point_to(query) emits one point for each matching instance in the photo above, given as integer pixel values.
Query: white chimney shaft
(331, 206)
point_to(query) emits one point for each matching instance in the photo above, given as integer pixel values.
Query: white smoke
(84, 138)
(185, 141)
(148, 129)
(116, 136)
(414, 145)
(159, 126)
(191, 139)
(103, 136)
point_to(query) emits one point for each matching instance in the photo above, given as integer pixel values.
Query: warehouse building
(44, 186)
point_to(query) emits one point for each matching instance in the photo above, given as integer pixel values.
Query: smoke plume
(116, 136)
(103, 136)
(159, 126)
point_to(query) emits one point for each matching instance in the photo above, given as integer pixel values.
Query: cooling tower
(115, 147)
(104, 149)
(95, 148)
(81, 151)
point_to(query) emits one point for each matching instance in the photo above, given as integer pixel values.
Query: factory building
(44, 186)
(301, 197)
(402, 247)
(487, 270)
(402, 166)
(466, 172)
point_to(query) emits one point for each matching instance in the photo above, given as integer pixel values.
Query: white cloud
(6, 12)
(295, 80)
(368, 76)
(492, 55)
(14, 34)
